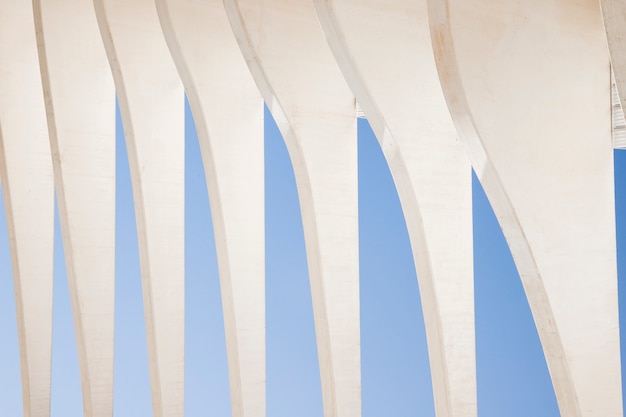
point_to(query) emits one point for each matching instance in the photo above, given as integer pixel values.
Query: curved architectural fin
(228, 112)
(151, 101)
(80, 106)
(28, 190)
(528, 87)
(315, 111)
(385, 53)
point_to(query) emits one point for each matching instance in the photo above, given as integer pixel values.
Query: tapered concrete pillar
(315, 111)
(385, 53)
(528, 87)
(28, 190)
(228, 112)
(151, 101)
(80, 106)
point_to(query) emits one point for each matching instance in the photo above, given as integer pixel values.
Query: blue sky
(512, 375)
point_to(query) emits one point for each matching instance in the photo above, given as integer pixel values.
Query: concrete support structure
(28, 191)
(80, 105)
(228, 112)
(385, 53)
(151, 101)
(316, 113)
(528, 86)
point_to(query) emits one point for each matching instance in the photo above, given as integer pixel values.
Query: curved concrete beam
(151, 100)
(385, 53)
(528, 86)
(315, 111)
(228, 111)
(80, 106)
(28, 189)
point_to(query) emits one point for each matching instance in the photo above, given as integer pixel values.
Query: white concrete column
(528, 86)
(315, 111)
(80, 106)
(28, 190)
(228, 112)
(385, 53)
(151, 100)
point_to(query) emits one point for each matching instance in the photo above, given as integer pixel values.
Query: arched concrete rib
(228, 111)
(528, 86)
(28, 190)
(315, 111)
(386, 55)
(80, 106)
(151, 100)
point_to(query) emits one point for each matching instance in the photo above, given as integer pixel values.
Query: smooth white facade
(522, 90)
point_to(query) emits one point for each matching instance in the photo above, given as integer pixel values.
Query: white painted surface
(80, 105)
(528, 86)
(315, 112)
(385, 53)
(28, 190)
(228, 112)
(151, 101)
